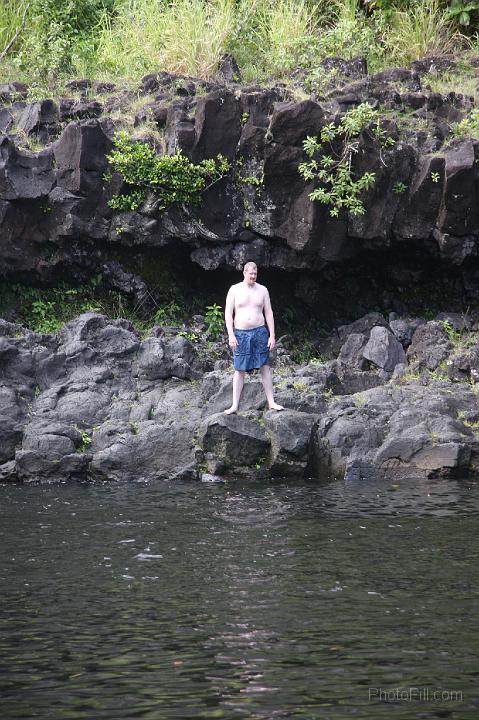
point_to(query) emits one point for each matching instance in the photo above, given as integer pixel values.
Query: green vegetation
(46, 310)
(399, 188)
(469, 126)
(173, 178)
(134, 427)
(214, 321)
(334, 171)
(85, 437)
(463, 12)
(126, 39)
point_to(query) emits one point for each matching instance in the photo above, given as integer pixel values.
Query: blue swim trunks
(252, 351)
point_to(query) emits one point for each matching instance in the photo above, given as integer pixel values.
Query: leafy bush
(174, 178)
(469, 126)
(168, 313)
(56, 32)
(338, 187)
(463, 12)
(214, 321)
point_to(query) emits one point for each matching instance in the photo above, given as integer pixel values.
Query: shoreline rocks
(96, 402)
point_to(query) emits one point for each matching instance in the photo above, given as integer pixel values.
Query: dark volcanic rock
(394, 428)
(424, 192)
(97, 402)
(80, 155)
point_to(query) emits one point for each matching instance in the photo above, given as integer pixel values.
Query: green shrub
(56, 32)
(173, 178)
(214, 321)
(463, 12)
(338, 188)
(469, 126)
(168, 313)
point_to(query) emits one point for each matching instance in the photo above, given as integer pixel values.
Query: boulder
(383, 350)
(291, 436)
(80, 156)
(233, 442)
(430, 346)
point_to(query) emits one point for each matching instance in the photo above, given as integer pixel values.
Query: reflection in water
(237, 601)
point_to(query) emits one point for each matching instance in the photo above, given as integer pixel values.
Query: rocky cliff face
(55, 220)
(97, 401)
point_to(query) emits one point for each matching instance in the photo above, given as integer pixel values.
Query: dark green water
(240, 601)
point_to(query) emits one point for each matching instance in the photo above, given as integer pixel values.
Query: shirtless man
(247, 307)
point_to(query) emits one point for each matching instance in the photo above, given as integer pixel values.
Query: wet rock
(236, 441)
(11, 91)
(217, 125)
(24, 175)
(404, 328)
(159, 360)
(80, 156)
(146, 451)
(330, 346)
(291, 436)
(40, 118)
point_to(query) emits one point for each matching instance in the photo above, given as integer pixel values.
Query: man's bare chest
(249, 299)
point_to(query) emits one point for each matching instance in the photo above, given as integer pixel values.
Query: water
(239, 601)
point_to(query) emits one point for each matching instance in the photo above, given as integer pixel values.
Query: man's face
(250, 274)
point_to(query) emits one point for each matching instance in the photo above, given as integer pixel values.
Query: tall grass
(184, 36)
(11, 13)
(272, 35)
(269, 38)
(423, 30)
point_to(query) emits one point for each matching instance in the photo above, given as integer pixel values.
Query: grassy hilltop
(45, 42)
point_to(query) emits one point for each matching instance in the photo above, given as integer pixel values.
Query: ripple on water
(258, 601)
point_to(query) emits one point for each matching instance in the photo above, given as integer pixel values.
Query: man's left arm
(269, 317)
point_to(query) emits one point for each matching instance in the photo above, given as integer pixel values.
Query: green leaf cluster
(214, 320)
(469, 126)
(173, 178)
(338, 187)
(462, 12)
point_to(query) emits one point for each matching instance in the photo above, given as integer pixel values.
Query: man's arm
(229, 318)
(269, 317)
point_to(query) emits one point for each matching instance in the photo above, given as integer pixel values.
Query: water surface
(239, 601)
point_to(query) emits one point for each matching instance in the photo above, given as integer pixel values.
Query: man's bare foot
(275, 406)
(231, 411)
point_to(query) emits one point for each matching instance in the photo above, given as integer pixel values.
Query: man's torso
(248, 306)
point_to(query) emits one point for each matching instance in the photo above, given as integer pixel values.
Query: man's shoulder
(262, 288)
(235, 287)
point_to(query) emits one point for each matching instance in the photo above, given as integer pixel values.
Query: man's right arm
(229, 318)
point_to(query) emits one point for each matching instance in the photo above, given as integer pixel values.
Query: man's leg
(267, 380)
(238, 382)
